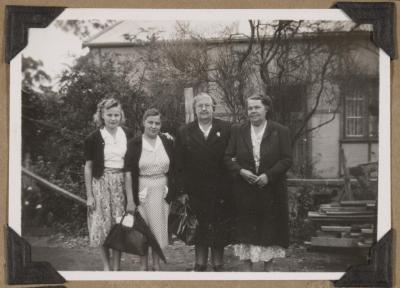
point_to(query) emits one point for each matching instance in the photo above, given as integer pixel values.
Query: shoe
(200, 268)
(218, 268)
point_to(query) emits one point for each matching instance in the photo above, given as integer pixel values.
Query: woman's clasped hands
(251, 178)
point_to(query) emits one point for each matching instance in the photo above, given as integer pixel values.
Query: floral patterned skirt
(256, 253)
(109, 196)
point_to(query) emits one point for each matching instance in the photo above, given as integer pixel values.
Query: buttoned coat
(262, 213)
(203, 176)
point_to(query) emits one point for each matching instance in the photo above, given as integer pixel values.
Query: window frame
(366, 93)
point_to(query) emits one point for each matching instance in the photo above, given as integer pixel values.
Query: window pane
(354, 116)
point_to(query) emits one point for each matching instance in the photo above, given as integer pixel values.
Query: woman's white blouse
(114, 148)
(256, 139)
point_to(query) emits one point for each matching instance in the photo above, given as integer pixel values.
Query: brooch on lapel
(218, 134)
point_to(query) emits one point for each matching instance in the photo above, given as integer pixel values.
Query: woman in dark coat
(203, 177)
(258, 156)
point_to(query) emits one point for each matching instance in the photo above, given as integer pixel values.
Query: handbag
(182, 222)
(126, 239)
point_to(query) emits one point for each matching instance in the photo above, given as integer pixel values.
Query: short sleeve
(89, 149)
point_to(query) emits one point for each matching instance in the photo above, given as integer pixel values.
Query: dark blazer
(262, 213)
(132, 158)
(202, 175)
(94, 150)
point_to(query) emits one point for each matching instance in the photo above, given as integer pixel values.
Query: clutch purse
(126, 239)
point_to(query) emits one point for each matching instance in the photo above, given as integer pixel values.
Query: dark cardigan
(132, 158)
(94, 150)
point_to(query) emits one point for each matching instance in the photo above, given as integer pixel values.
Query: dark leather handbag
(126, 239)
(183, 223)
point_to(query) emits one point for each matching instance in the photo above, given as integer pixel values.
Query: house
(339, 101)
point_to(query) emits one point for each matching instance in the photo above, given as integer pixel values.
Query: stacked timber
(345, 224)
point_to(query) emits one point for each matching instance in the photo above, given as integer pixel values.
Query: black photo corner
(21, 269)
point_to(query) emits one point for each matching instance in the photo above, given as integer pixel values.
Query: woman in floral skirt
(105, 150)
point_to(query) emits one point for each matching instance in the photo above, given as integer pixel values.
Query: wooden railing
(53, 187)
(65, 193)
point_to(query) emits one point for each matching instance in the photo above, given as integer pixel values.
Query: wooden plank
(367, 231)
(345, 209)
(334, 242)
(54, 187)
(320, 233)
(349, 213)
(316, 215)
(348, 193)
(358, 203)
(336, 228)
(330, 205)
(364, 245)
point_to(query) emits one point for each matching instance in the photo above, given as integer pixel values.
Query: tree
(84, 28)
(36, 94)
(233, 72)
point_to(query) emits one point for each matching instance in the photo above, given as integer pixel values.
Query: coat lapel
(212, 136)
(246, 132)
(196, 134)
(268, 131)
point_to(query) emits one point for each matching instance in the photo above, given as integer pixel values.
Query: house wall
(323, 144)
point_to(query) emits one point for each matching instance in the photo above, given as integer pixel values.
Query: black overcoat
(203, 176)
(262, 213)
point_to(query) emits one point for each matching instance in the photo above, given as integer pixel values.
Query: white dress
(153, 167)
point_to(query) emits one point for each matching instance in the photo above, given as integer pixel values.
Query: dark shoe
(200, 268)
(218, 268)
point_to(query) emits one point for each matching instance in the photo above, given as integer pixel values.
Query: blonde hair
(104, 105)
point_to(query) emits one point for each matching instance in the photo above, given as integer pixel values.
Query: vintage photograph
(225, 145)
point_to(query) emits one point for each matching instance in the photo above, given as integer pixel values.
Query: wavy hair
(104, 105)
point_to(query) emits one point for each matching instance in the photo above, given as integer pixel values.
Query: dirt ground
(74, 254)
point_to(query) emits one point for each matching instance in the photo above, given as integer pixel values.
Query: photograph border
(385, 168)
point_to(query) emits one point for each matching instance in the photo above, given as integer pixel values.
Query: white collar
(104, 132)
(205, 131)
(262, 131)
(147, 146)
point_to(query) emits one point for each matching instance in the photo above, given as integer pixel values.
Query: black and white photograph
(200, 143)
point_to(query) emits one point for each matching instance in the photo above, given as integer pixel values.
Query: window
(360, 121)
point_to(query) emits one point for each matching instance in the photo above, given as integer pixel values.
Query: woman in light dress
(149, 169)
(105, 150)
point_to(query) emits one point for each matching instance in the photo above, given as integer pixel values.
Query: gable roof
(133, 33)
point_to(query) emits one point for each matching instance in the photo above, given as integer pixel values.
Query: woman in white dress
(149, 180)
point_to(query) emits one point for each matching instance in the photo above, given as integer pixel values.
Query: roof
(134, 33)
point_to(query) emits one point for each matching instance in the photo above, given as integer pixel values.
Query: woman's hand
(169, 136)
(262, 180)
(130, 207)
(90, 203)
(183, 199)
(248, 176)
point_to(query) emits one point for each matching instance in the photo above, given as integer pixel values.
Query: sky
(55, 48)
